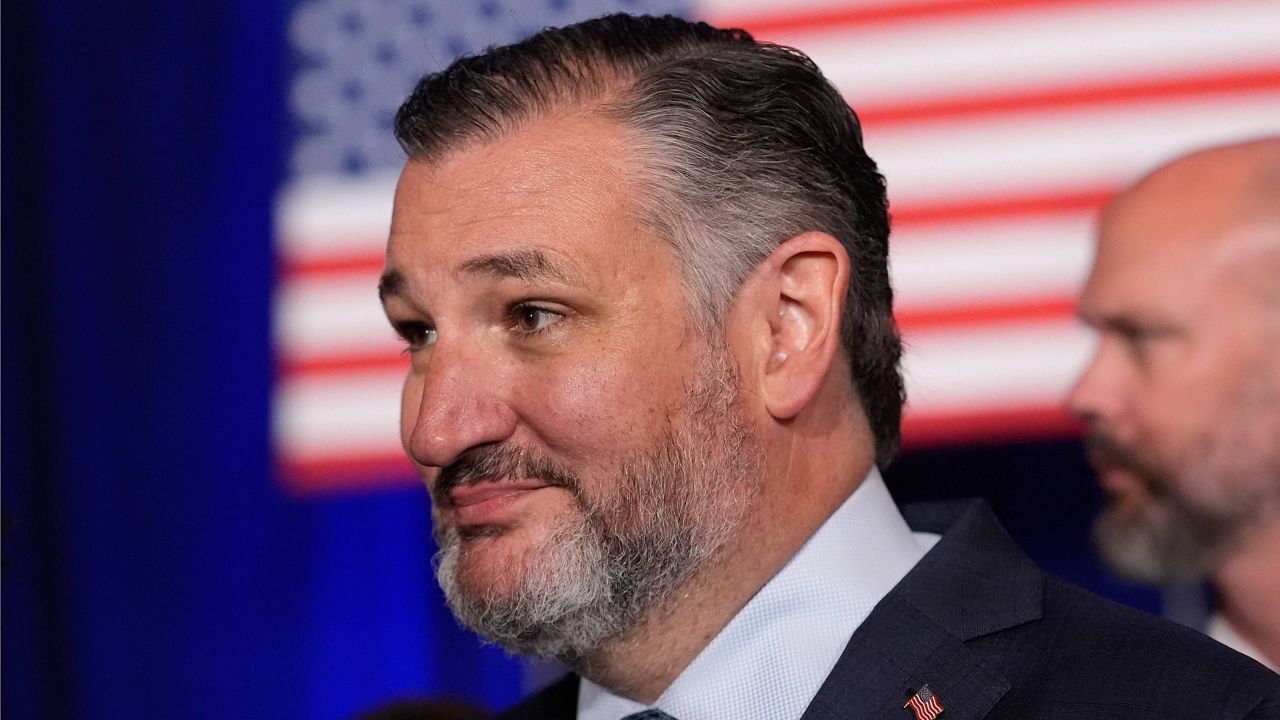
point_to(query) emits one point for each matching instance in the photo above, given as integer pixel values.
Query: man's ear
(795, 299)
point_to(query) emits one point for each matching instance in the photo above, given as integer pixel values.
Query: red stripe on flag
(1004, 206)
(771, 25)
(354, 473)
(995, 425)
(923, 319)
(1252, 80)
(369, 264)
(340, 363)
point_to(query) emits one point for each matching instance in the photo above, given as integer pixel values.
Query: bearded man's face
(579, 433)
(1182, 397)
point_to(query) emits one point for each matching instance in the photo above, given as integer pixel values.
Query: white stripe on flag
(1032, 49)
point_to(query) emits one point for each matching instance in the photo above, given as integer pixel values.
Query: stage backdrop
(205, 511)
(1001, 127)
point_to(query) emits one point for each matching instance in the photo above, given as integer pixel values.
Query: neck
(1249, 590)
(644, 661)
(794, 500)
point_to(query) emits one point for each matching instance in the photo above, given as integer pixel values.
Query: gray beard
(1174, 539)
(1169, 543)
(601, 569)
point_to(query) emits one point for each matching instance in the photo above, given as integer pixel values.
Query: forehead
(563, 185)
(1159, 248)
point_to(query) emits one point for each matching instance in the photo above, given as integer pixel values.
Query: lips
(490, 503)
(1115, 478)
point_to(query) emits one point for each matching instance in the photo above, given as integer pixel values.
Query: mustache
(489, 463)
(1104, 450)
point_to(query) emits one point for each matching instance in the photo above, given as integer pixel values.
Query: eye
(1141, 336)
(529, 318)
(1145, 343)
(416, 335)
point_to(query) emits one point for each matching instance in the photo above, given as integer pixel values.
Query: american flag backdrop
(1000, 125)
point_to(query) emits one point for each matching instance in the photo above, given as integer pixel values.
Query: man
(640, 268)
(1183, 396)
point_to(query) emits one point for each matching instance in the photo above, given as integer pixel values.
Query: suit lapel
(897, 650)
(974, 582)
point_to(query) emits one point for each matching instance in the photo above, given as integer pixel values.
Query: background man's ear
(797, 296)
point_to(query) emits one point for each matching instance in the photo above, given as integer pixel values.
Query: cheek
(606, 405)
(1175, 401)
(1182, 419)
(1164, 425)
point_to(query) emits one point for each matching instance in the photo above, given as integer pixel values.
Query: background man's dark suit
(995, 637)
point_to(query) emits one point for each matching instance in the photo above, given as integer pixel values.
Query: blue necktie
(650, 714)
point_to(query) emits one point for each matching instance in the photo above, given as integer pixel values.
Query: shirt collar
(772, 657)
(1220, 629)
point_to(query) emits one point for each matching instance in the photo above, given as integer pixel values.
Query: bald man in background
(1182, 398)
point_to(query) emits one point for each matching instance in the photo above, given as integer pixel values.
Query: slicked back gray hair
(744, 145)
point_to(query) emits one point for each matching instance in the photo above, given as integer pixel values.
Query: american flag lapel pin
(925, 704)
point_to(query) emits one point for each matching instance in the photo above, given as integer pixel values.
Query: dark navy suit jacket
(995, 637)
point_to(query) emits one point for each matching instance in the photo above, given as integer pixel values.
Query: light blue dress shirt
(770, 660)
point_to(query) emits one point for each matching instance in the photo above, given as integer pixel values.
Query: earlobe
(803, 288)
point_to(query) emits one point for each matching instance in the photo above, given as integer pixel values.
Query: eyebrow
(391, 283)
(1130, 324)
(526, 265)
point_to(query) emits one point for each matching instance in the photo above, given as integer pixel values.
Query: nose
(452, 405)
(1098, 394)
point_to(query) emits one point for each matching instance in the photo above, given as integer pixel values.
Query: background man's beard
(1166, 543)
(1172, 538)
(669, 509)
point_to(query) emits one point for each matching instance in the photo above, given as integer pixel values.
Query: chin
(485, 557)
(497, 559)
(1156, 543)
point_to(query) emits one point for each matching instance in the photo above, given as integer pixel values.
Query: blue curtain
(152, 567)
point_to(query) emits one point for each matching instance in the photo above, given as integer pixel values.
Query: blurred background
(206, 511)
